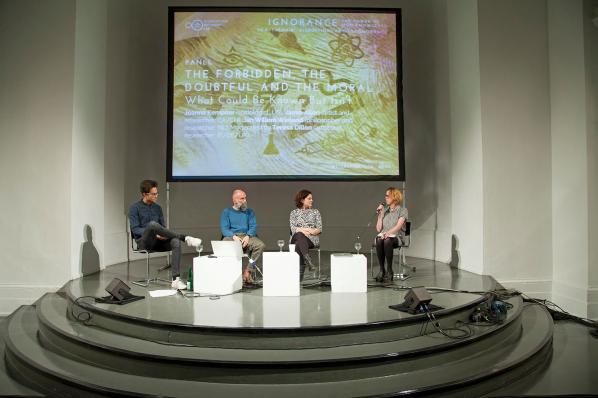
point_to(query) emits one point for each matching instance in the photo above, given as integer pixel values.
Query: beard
(240, 207)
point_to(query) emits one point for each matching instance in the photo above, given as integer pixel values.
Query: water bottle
(190, 279)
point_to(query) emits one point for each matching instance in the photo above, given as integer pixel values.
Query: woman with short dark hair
(306, 227)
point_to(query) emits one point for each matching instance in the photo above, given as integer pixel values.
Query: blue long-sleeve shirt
(234, 221)
(141, 214)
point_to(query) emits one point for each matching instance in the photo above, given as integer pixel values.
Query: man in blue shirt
(148, 229)
(238, 223)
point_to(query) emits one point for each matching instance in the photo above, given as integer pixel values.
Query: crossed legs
(172, 243)
(302, 246)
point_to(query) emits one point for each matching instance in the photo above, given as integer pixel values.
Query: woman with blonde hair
(391, 229)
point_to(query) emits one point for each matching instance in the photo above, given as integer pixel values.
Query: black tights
(384, 250)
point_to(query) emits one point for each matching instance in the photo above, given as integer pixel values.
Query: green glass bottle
(190, 279)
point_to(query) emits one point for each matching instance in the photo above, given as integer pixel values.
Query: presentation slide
(284, 94)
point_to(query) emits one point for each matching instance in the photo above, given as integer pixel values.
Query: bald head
(238, 192)
(239, 199)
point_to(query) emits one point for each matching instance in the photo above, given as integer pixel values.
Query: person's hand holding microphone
(380, 209)
(380, 212)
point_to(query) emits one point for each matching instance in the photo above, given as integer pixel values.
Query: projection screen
(284, 94)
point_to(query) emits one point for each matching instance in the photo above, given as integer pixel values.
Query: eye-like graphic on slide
(285, 94)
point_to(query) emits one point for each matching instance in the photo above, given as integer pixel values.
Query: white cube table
(281, 274)
(217, 275)
(348, 273)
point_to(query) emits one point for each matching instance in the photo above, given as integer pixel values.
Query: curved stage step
(281, 337)
(55, 326)
(33, 347)
(320, 344)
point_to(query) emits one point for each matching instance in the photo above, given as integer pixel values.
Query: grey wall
(515, 105)
(62, 149)
(441, 224)
(590, 11)
(520, 165)
(88, 134)
(569, 139)
(118, 106)
(466, 134)
(36, 116)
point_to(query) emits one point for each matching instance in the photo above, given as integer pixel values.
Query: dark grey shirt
(141, 214)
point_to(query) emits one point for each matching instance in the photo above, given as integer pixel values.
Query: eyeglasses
(152, 193)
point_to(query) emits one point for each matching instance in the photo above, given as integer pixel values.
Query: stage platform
(316, 307)
(319, 343)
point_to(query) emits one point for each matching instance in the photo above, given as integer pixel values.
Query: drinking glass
(280, 244)
(358, 246)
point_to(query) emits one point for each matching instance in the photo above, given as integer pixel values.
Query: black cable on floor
(559, 314)
(83, 316)
(464, 333)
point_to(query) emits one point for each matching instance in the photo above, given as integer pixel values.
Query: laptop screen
(227, 248)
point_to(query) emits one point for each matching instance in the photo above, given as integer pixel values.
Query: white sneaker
(178, 284)
(191, 241)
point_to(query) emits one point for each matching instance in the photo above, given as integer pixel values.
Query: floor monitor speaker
(118, 289)
(417, 296)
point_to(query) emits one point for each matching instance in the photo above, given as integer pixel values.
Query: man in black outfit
(148, 229)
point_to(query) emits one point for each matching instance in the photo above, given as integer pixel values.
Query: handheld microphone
(383, 206)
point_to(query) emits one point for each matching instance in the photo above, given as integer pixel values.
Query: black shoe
(381, 275)
(388, 277)
(391, 274)
(310, 266)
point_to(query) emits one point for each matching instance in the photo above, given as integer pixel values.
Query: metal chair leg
(146, 282)
(402, 274)
(316, 274)
(255, 271)
(164, 267)
(319, 264)
(372, 262)
(405, 265)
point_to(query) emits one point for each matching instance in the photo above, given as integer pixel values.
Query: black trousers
(302, 245)
(384, 251)
(172, 243)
